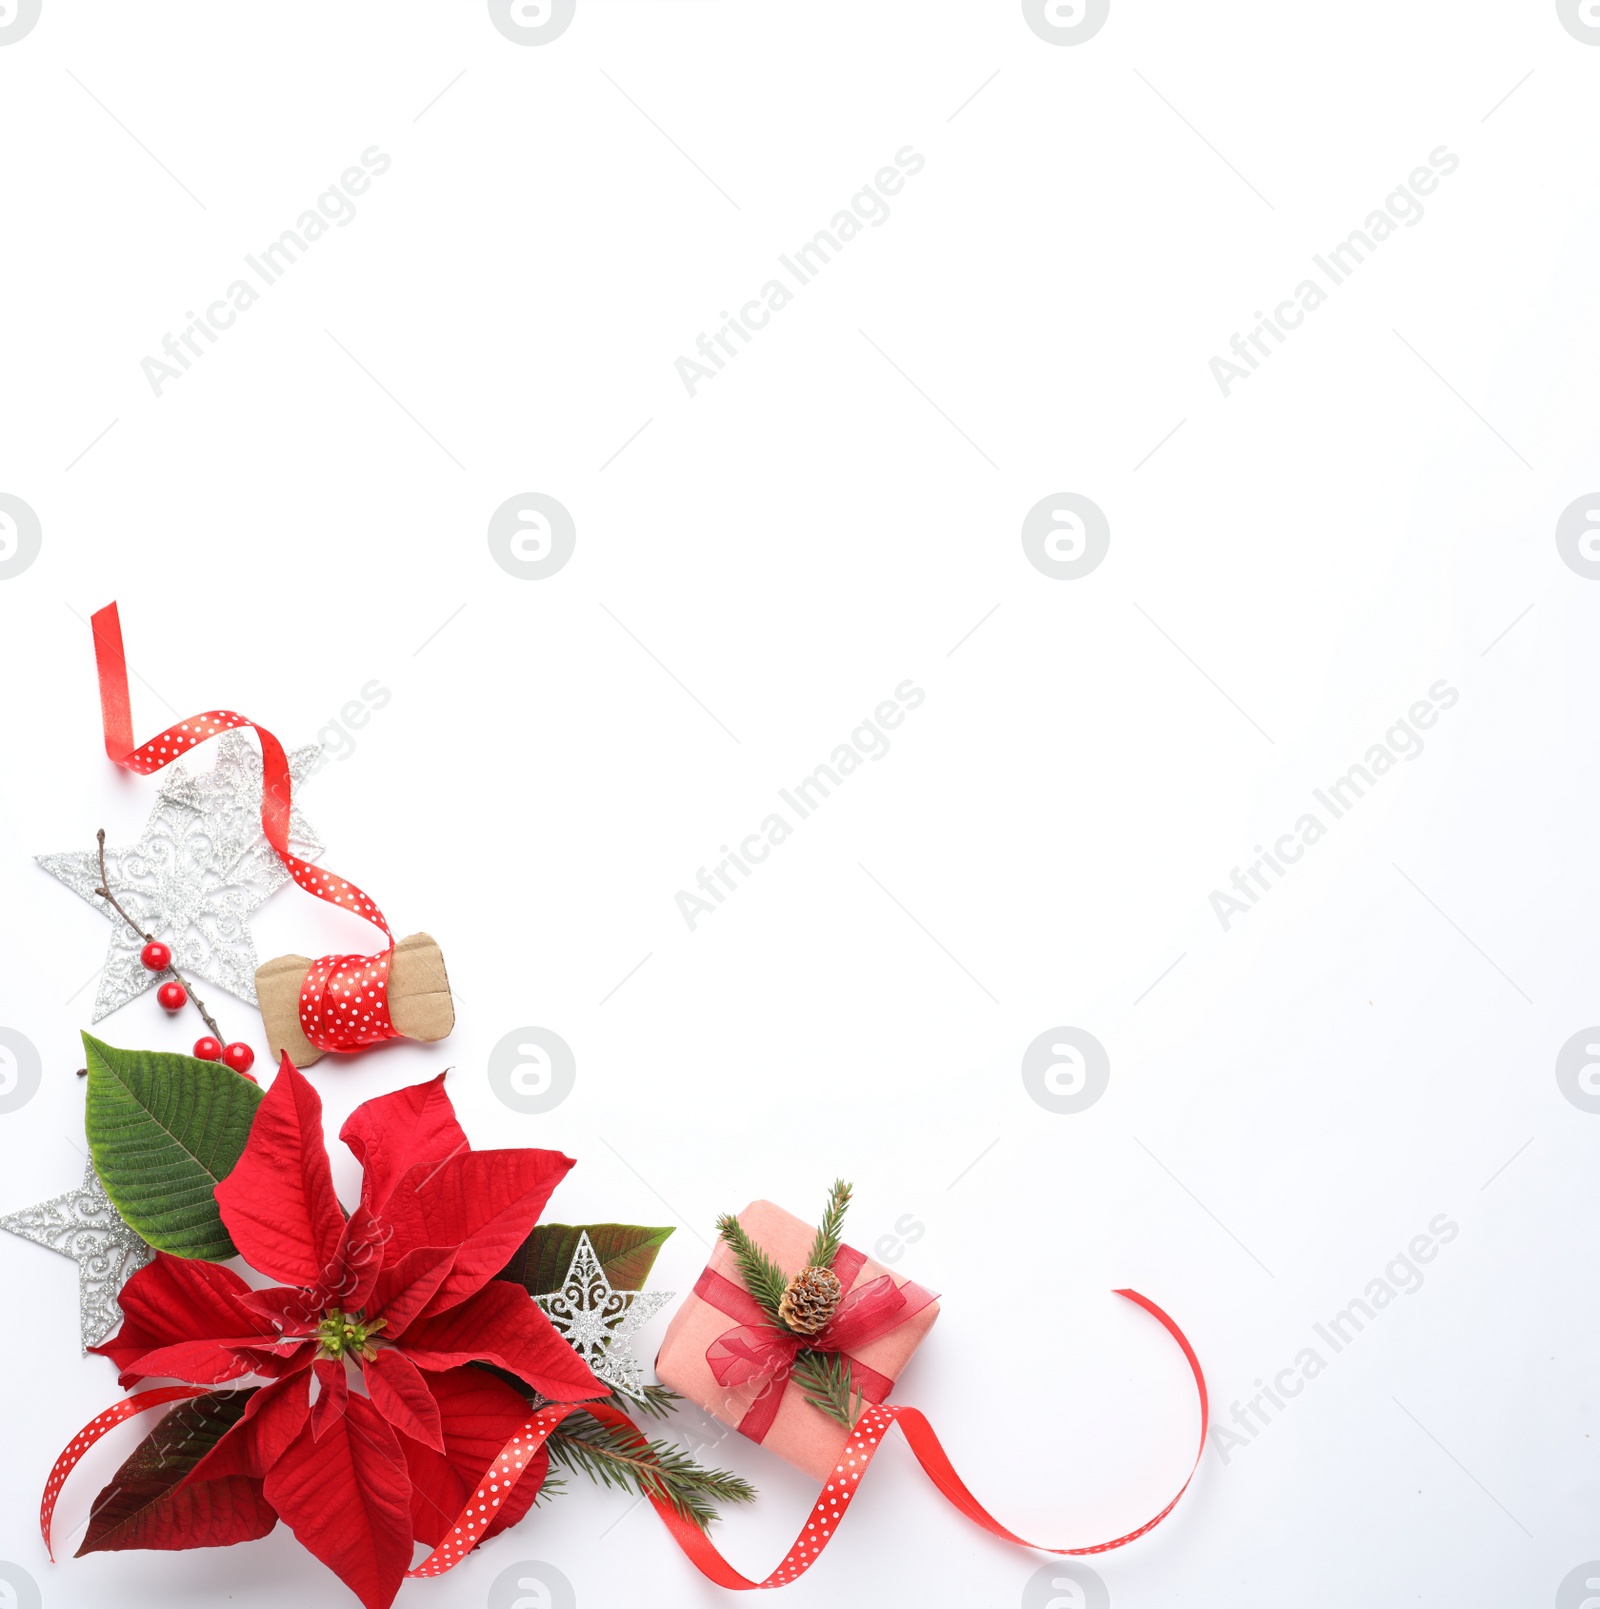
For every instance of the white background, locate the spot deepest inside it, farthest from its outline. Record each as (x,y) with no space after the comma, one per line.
(756,568)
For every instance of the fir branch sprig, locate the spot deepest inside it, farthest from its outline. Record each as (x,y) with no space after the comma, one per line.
(619,1458)
(825,1382)
(765,1281)
(657,1402)
(615,1457)
(826,1245)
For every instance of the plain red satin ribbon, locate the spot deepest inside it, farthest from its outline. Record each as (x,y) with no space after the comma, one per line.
(344,1002)
(832,1501)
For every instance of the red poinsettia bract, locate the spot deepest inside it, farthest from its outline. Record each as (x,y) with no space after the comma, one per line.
(400,1295)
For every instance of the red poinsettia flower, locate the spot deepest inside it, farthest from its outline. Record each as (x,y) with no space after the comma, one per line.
(397,1298)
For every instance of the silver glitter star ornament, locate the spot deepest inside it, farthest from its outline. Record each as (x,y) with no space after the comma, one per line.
(84,1226)
(598,1322)
(200,868)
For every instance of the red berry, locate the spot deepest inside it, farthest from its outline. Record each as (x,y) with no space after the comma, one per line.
(156,956)
(239,1056)
(173,996)
(207,1048)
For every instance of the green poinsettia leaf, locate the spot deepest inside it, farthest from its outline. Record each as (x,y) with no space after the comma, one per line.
(626,1253)
(147,1504)
(163,1131)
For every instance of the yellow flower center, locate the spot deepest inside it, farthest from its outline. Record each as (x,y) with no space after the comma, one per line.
(347,1335)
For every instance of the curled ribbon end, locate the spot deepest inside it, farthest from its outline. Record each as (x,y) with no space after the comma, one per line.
(346,1005)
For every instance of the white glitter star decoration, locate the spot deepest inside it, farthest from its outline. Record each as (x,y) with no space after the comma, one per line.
(199,870)
(84,1226)
(598,1322)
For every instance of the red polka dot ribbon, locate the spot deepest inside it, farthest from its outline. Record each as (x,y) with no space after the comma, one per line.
(90,1434)
(496,1485)
(833,1500)
(344,1002)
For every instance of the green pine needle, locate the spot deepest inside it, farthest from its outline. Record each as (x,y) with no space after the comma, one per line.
(825,1382)
(826,1246)
(762,1277)
(658,1402)
(647,1469)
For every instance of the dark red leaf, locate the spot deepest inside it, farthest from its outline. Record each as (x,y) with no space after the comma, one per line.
(398,1131)
(182,1301)
(278,1203)
(151,1502)
(478,1415)
(625,1252)
(400,1394)
(347,1498)
(483,1203)
(501,1324)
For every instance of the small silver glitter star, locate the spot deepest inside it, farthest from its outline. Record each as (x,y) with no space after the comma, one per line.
(599,1322)
(200,868)
(84,1226)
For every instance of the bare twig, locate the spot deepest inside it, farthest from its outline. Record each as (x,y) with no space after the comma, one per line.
(104,891)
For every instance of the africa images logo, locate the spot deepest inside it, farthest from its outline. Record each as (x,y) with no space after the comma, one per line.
(868,741)
(870,206)
(20,536)
(1403,741)
(1581,19)
(1066,22)
(17,18)
(336,206)
(532,22)
(1403,206)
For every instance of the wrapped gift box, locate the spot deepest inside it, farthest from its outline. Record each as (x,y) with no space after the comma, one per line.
(796,1430)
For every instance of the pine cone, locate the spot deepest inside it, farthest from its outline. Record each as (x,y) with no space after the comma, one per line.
(810,1299)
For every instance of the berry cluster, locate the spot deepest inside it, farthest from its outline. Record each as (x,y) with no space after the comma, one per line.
(174,997)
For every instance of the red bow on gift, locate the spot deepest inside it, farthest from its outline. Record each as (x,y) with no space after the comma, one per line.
(756,1349)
